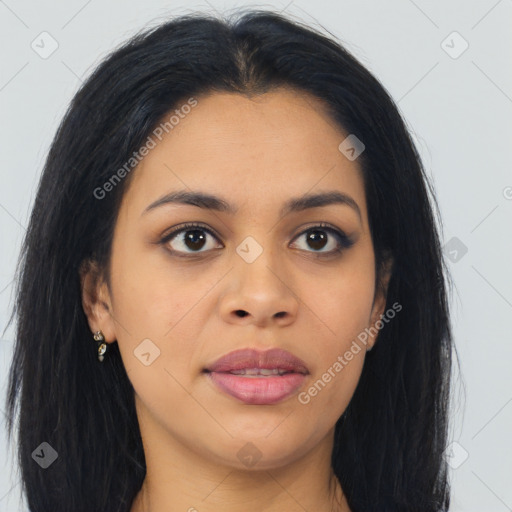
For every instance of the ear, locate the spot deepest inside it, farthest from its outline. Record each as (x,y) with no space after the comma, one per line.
(379,301)
(96,300)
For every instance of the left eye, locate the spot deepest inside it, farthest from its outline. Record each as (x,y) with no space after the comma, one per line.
(317,237)
(194,237)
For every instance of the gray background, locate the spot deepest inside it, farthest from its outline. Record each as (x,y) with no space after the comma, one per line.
(457,105)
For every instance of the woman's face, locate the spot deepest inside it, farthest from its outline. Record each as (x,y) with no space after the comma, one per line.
(174,303)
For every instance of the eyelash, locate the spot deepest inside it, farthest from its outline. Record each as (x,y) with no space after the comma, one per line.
(343,240)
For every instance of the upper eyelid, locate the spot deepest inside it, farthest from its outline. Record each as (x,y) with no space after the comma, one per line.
(187,226)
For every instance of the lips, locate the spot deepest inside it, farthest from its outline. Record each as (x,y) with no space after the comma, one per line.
(258,378)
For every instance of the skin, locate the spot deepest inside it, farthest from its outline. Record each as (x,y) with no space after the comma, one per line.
(256,153)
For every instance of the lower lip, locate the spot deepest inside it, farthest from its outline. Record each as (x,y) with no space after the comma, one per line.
(258,390)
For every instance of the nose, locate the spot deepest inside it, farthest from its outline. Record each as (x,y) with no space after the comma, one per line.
(259,293)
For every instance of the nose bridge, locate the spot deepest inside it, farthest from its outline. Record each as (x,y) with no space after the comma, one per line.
(258,263)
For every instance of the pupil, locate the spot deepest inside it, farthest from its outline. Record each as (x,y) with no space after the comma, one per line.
(194,237)
(317,239)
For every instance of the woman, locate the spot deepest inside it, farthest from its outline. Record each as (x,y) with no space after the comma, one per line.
(234,211)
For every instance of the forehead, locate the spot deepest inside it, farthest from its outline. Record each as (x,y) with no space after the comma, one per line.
(256,151)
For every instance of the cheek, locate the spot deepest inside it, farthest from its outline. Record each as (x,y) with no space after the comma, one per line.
(341,303)
(345,310)
(150,308)
(342,310)
(150,294)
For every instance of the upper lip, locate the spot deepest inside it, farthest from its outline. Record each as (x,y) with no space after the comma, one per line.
(251,358)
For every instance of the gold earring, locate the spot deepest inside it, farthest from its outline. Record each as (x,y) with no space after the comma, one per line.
(102,346)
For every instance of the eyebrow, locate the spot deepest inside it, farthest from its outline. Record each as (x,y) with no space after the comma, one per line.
(212,202)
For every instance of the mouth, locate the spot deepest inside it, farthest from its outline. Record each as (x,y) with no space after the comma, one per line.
(259,372)
(258,378)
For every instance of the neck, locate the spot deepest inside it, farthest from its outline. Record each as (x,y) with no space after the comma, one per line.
(179,478)
(260,491)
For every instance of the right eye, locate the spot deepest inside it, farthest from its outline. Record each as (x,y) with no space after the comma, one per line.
(191,236)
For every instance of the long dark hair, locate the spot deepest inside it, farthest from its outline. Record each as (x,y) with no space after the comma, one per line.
(390,441)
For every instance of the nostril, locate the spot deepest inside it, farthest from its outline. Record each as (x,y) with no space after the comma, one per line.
(241,313)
